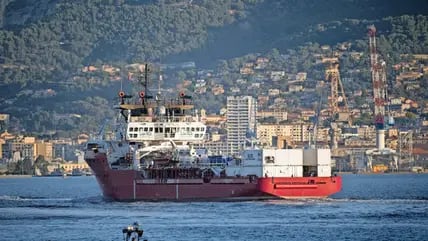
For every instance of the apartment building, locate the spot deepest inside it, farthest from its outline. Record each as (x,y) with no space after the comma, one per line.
(241,121)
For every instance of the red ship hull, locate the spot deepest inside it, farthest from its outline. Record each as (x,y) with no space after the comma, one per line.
(129,185)
(298,187)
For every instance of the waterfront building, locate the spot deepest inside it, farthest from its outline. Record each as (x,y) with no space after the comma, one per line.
(18,149)
(44,149)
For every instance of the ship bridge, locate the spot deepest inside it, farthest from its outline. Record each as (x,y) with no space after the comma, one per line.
(163,123)
(157,120)
(191,131)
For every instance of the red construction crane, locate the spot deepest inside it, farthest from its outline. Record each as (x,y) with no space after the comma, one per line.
(378,72)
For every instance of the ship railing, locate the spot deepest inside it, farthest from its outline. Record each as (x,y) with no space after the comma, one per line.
(163,119)
(141,118)
(177,118)
(217,166)
(209,165)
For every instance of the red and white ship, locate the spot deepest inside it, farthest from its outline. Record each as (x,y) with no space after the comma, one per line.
(151,157)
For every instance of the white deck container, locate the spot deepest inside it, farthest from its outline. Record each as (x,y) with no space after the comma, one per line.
(324,157)
(324,170)
(283,157)
(283,162)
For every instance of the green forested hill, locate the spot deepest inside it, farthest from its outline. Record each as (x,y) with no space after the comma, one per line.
(45,43)
(287,24)
(74,33)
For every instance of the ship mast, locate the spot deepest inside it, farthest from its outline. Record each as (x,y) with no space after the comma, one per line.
(145,83)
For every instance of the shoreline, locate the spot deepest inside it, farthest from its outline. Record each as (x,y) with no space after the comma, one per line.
(338,173)
(15,176)
(27,176)
(379,173)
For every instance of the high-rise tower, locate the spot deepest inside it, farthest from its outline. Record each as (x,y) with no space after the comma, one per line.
(241,121)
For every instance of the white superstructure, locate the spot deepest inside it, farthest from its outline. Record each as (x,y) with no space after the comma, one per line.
(283,163)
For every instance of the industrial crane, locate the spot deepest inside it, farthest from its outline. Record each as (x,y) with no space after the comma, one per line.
(337,92)
(380,99)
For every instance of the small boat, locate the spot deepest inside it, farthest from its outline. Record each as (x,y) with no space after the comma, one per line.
(133,233)
(58,172)
(77,172)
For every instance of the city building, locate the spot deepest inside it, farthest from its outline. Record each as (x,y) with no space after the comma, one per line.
(268,134)
(279,115)
(241,121)
(64,149)
(18,149)
(44,149)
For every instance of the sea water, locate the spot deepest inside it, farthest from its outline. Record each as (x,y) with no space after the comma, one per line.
(369,207)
